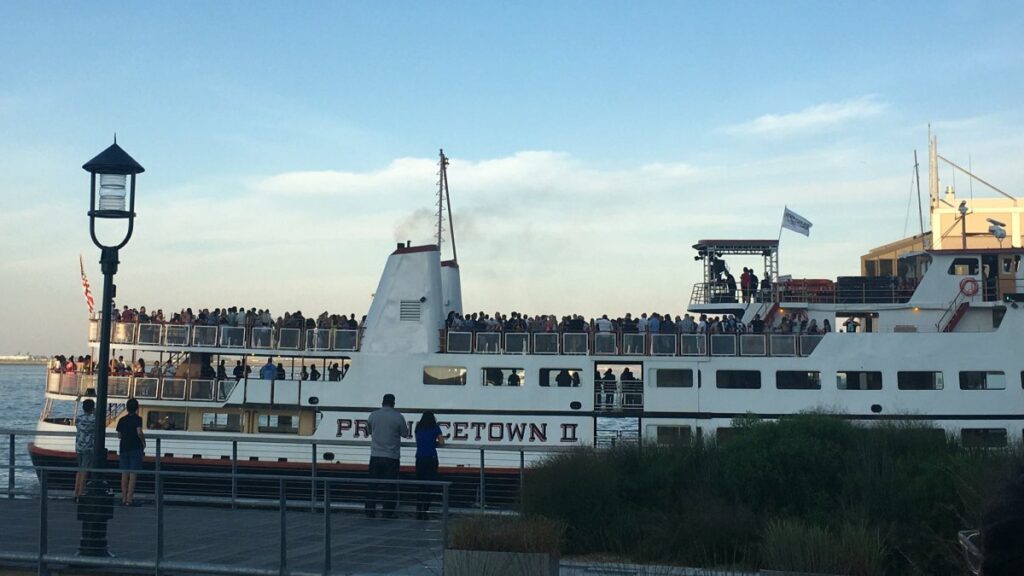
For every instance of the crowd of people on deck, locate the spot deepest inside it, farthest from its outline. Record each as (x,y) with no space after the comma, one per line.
(654,323)
(238,317)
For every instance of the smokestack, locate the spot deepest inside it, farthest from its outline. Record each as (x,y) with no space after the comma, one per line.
(400,246)
(408,243)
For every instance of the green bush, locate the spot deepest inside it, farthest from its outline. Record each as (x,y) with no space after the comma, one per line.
(849,549)
(705,503)
(507,534)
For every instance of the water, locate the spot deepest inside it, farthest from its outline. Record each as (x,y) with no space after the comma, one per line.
(21,397)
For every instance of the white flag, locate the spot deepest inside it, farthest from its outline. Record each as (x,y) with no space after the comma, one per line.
(796,222)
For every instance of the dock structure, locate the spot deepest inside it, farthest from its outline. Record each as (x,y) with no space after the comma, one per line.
(176,535)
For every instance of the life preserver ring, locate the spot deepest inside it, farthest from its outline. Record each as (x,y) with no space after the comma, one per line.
(969,287)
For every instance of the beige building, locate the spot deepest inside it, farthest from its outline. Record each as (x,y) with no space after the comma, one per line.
(956,222)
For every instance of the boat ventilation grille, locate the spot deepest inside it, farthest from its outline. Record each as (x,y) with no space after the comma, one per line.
(409,311)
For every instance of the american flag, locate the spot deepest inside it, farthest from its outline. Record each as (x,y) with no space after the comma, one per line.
(85,286)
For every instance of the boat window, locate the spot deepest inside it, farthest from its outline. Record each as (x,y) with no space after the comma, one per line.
(797,380)
(673,434)
(1010,264)
(978,380)
(859,380)
(964,267)
(165,420)
(738,379)
(919,380)
(444,375)
(503,376)
(673,378)
(983,437)
(222,422)
(560,377)
(278,424)
(885,267)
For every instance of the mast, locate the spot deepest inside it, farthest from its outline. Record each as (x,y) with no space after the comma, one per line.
(920,211)
(444,204)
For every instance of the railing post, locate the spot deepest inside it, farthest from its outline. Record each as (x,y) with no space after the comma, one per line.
(444,520)
(10,467)
(159,495)
(43,524)
(327,528)
(156,459)
(283,559)
(312,481)
(522,473)
(483,481)
(234,471)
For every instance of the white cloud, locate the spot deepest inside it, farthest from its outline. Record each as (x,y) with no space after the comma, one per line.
(812,119)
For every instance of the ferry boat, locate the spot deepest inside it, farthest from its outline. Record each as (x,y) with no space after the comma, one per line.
(936,341)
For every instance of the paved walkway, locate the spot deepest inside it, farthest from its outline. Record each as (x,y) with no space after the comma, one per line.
(237,538)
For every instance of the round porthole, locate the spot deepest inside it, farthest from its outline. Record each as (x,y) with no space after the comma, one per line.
(329,456)
(575,405)
(313,400)
(876,408)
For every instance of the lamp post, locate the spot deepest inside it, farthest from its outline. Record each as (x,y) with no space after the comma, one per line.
(112,169)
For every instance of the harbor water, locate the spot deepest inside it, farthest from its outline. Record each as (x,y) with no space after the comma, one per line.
(21,392)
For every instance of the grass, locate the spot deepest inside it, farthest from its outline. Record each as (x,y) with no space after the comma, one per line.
(885,499)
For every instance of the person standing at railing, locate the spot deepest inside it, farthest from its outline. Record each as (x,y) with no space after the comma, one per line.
(387,427)
(132,445)
(85,436)
(428,438)
(268,371)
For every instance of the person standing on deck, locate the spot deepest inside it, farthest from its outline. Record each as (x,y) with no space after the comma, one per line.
(428,438)
(133,444)
(85,436)
(387,427)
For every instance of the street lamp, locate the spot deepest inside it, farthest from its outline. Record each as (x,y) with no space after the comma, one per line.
(112,169)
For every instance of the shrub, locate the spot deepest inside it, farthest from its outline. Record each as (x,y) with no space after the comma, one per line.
(853,549)
(507,534)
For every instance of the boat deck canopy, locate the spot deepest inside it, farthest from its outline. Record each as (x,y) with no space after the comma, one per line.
(757,247)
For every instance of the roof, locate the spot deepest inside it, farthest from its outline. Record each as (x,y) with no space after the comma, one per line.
(737,246)
(412,249)
(113,160)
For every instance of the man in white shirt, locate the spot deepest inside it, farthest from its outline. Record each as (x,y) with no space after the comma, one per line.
(604,324)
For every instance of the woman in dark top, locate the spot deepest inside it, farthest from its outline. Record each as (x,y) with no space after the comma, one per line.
(428,438)
(133,443)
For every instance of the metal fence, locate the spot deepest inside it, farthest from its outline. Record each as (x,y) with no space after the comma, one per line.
(480,477)
(294,525)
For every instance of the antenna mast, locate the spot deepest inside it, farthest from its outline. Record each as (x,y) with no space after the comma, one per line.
(444,204)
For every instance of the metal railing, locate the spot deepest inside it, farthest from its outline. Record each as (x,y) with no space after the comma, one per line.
(202,336)
(870,290)
(481,477)
(295,525)
(631,344)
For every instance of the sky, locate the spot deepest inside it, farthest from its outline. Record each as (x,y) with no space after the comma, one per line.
(288,146)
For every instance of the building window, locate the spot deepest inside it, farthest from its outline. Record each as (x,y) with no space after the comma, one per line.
(983,437)
(797,380)
(560,377)
(738,379)
(859,380)
(672,378)
(222,422)
(919,380)
(964,267)
(871,267)
(673,434)
(165,420)
(885,267)
(503,377)
(444,375)
(982,381)
(278,424)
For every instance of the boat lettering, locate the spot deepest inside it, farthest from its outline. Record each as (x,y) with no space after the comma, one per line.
(474,431)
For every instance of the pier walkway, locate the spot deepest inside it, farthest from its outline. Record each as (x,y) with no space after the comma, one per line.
(182,535)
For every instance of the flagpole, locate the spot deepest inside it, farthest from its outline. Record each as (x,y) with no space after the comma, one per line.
(783,221)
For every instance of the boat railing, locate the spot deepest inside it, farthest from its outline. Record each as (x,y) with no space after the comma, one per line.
(852,290)
(629,344)
(259,337)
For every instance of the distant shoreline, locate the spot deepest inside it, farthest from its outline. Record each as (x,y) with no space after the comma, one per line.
(23,362)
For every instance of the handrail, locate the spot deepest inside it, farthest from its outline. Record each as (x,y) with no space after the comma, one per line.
(958,299)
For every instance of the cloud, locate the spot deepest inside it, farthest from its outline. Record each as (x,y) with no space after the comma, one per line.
(812,119)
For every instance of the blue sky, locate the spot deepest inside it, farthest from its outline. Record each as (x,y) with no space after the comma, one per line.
(288,145)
